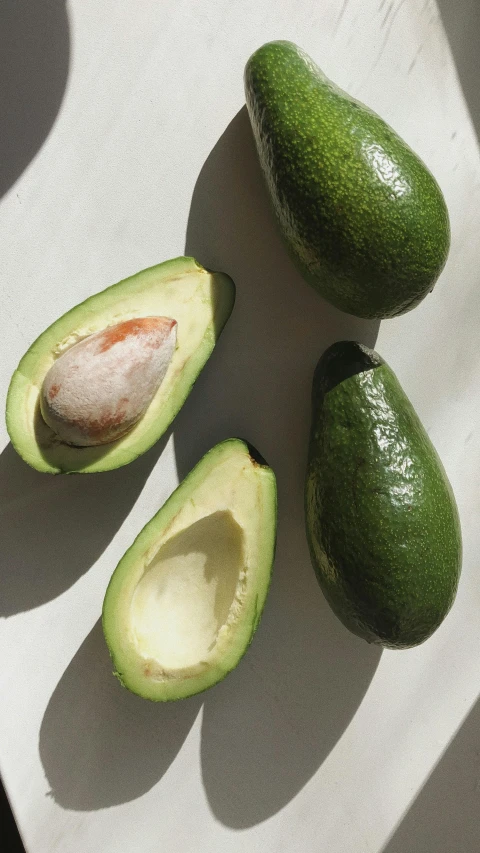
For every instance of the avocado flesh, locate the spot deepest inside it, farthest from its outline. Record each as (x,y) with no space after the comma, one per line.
(199,300)
(361,216)
(381,519)
(184,602)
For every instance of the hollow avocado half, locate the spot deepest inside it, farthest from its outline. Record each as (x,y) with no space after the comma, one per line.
(362,217)
(199,300)
(381,518)
(184,602)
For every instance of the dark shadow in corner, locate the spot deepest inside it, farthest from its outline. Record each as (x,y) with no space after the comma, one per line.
(99,744)
(462,26)
(34,60)
(53,528)
(268,728)
(445,816)
(10,834)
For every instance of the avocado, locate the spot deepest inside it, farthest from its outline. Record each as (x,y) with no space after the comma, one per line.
(159,327)
(184,602)
(360,214)
(381,519)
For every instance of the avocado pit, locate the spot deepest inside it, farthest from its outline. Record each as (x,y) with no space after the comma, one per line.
(97,390)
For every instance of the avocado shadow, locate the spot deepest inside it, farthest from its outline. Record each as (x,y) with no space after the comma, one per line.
(99,744)
(53,528)
(269,726)
(34,63)
(461,21)
(444,815)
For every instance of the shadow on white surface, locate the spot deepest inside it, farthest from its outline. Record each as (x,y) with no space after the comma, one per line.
(461,21)
(100,745)
(268,728)
(445,816)
(54,528)
(34,60)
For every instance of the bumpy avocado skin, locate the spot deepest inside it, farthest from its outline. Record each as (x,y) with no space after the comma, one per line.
(381,519)
(362,217)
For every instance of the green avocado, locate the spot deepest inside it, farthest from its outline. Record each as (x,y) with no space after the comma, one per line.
(362,217)
(185,601)
(381,518)
(199,301)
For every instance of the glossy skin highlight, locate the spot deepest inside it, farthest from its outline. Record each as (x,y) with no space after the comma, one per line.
(362,217)
(381,518)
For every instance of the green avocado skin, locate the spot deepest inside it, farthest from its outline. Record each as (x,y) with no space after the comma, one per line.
(361,216)
(381,519)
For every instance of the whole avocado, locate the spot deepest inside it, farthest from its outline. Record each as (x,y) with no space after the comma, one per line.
(381,519)
(362,217)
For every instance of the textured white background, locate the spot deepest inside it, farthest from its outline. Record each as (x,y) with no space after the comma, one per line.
(316,742)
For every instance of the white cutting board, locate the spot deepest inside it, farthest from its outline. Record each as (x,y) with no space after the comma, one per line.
(315,742)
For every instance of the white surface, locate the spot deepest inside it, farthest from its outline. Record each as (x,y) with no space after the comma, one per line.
(315,742)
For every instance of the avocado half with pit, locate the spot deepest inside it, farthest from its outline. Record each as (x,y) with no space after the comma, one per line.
(184,602)
(136,316)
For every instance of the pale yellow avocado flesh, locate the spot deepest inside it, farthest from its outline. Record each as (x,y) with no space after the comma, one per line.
(185,600)
(200,301)
(187,592)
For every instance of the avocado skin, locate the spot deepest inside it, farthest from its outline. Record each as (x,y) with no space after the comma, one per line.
(381,519)
(360,214)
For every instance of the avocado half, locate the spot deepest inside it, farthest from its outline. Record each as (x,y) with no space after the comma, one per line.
(199,300)
(184,602)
